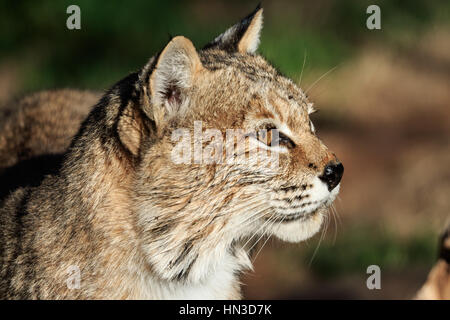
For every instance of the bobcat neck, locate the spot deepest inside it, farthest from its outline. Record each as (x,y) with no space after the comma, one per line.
(97,179)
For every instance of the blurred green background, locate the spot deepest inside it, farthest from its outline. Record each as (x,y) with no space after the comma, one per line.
(383,97)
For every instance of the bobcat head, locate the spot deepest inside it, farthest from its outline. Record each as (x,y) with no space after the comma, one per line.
(196,216)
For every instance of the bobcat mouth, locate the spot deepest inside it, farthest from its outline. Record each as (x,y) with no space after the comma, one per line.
(291,217)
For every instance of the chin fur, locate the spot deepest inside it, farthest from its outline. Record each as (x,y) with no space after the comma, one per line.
(301,229)
(307,226)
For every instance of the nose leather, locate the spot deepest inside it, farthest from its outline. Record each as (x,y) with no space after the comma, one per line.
(332,174)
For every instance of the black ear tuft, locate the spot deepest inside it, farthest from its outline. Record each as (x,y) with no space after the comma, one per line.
(243,37)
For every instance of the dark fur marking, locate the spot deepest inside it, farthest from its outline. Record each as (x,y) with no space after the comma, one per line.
(163,227)
(182,275)
(186,249)
(13,266)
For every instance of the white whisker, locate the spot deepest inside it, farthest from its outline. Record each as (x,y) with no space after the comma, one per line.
(256,232)
(303,67)
(320,240)
(282,219)
(320,78)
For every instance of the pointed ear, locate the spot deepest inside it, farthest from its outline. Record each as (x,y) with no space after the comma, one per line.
(171,76)
(243,37)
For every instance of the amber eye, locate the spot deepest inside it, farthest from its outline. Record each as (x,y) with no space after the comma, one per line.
(282,139)
(271,136)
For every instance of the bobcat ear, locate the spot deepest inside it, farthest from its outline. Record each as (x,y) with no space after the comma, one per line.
(243,37)
(170,77)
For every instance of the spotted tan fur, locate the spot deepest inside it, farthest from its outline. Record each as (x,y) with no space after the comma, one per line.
(140,226)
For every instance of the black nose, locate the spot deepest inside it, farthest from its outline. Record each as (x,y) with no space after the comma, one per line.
(332,174)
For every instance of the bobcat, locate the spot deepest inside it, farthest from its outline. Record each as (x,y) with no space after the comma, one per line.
(120,219)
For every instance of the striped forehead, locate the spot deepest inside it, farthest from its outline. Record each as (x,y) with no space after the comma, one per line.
(280,98)
(252,67)
(286,107)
